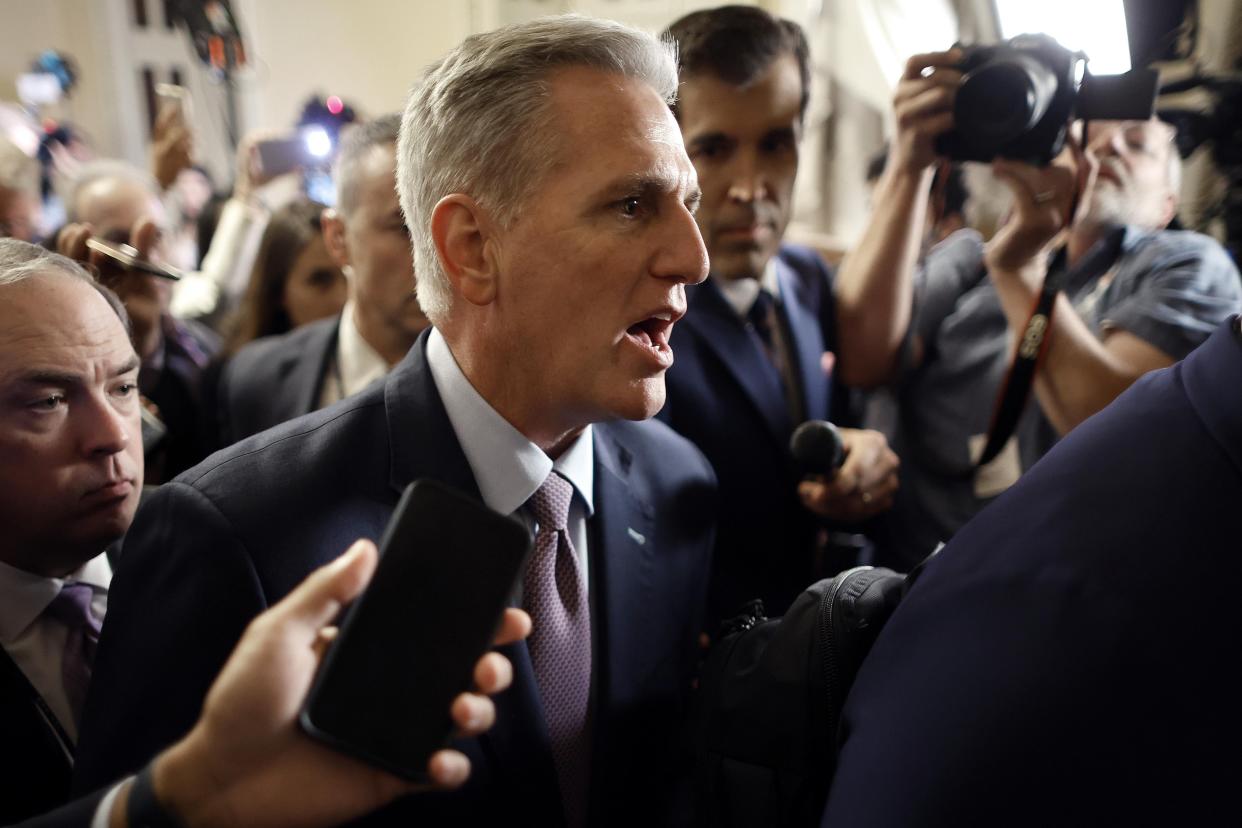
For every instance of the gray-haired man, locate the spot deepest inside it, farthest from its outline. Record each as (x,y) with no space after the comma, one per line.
(551,202)
(281,377)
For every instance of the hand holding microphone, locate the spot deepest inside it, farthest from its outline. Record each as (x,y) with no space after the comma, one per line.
(848,474)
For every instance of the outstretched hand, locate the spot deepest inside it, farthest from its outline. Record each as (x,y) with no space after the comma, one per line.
(247,763)
(1045,200)
(864,485)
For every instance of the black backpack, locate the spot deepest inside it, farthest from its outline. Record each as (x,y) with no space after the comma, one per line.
(770,698)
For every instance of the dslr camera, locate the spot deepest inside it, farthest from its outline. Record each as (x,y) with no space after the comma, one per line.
(1017,99)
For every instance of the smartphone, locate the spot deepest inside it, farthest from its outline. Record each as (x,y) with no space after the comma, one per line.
(407,647)
(170,94)
(127,256)
(278,156)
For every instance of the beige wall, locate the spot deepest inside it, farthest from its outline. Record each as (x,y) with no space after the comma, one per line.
(366,51)
(27,27)
(371,51)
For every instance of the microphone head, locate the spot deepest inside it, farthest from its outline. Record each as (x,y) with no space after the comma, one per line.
(817,448)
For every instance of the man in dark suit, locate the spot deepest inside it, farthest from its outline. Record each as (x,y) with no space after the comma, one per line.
(281,377)
(1066,659)
(71,472)
(551,213)
(754,354)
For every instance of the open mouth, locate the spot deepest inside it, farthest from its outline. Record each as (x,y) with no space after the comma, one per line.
(652,334)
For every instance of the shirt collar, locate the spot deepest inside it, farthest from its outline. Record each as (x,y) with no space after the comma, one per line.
(742,293)
(508,467)
(357,362)
(26,595)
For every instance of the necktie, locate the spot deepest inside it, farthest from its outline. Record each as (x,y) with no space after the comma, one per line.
(555,594)
(72,607)
(764,321)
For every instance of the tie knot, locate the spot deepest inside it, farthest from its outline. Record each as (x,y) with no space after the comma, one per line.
(72,607)
(550,503)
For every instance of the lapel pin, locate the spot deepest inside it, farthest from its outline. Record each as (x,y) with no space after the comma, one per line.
(638,537)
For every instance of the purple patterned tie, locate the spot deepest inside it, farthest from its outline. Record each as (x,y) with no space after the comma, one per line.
(72,607)
(555,594)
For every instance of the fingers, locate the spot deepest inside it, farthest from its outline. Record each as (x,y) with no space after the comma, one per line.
(448,769)
(918,64)
(857,505)
(493,673)
(863,486)
(144,235)
(319,598)
(71,241)
(513,627)
(473,714)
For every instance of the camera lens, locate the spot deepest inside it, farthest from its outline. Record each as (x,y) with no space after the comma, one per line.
(1001,100)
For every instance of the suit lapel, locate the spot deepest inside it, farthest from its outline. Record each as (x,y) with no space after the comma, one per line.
(306,376)
(715,322)
(622,582)
(808,344)
(424,444)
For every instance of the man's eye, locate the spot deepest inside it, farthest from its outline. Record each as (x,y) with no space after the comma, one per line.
(48,403)
(631,207)
(126,389)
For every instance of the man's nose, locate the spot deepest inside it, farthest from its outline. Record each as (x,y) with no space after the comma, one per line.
(747,182)
(682,256)
(104,428)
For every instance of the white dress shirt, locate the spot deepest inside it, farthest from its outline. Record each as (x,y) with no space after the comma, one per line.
(37,643)
(355,365)
(508,467)
(742,293)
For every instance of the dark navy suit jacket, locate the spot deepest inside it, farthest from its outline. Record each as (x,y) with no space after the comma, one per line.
(36,759)
(1070,657)
(274,379)
(726,398)
(236,533)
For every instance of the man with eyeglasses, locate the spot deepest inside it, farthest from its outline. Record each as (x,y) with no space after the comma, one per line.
(1136,297)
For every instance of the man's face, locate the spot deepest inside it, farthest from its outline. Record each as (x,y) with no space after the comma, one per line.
(378,247)
(592,269)
(112,206)
(744,145)
(19,214)
(1132,186)
(70,434)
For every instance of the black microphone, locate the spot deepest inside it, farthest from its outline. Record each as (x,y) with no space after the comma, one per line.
(817,448)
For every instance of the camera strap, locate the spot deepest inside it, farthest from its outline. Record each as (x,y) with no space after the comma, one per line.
(1028,355)
(1032,345)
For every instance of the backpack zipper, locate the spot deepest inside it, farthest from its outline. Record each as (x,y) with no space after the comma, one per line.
(828,647)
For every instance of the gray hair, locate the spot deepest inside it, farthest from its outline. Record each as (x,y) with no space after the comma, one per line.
(355,146)
(477,121)
(21,260)
(94,171)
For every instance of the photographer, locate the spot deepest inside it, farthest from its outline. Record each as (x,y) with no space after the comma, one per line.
(1136,297)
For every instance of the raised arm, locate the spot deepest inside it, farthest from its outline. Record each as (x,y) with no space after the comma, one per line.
(875,286)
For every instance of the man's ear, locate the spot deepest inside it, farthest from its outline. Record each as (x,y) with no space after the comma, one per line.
(461,231)
(334,237)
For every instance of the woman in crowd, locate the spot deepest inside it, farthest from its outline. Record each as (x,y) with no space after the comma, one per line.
(294,280)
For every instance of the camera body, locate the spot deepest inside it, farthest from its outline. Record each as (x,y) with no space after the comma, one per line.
(1017,98)
(1015,101)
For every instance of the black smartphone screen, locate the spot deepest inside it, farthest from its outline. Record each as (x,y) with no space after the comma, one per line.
(407,647)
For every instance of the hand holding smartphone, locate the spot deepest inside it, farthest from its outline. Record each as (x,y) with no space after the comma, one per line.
(407,647)
(127,256)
